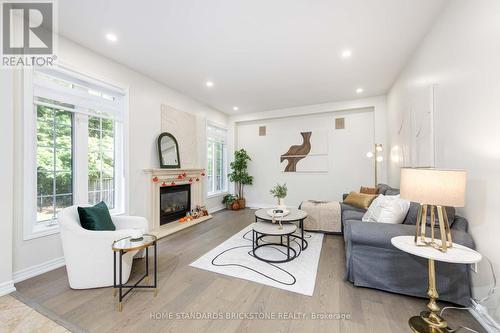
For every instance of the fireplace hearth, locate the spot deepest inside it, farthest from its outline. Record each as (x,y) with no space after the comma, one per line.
(175,202)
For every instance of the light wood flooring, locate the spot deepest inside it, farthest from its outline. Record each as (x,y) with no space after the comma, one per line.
(184,289)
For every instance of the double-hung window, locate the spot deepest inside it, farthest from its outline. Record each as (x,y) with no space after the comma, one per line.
(74,144)
(216,159)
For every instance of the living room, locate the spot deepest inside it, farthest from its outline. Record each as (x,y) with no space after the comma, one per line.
(250,166)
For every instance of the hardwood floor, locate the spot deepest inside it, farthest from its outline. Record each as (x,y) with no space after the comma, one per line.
(189,290)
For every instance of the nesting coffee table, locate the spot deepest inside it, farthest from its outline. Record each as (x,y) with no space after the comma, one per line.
(295,215)
(262,229)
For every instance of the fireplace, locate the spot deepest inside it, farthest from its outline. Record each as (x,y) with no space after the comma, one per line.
(175,202)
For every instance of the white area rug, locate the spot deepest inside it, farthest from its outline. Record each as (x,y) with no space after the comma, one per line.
(233,258)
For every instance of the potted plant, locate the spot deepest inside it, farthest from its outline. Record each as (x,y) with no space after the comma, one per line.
(228,200)
(279,192)
(239,174)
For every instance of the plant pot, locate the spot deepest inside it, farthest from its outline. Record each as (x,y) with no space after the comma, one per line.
(281,204)
(229,206)
(241,203)
(235,206)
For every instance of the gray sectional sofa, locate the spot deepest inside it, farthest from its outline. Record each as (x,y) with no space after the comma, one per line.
(373,262)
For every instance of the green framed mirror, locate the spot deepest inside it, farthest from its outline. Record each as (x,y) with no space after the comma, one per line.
(168,151)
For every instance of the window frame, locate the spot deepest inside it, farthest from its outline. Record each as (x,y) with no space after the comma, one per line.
(28,120)
(212,194)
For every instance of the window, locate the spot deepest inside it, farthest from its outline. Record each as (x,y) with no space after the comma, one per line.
(54,155)
(216,159)
(73,129)
(101,158)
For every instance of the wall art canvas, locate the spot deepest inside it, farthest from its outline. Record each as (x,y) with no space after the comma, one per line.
(422,127)
(308,154)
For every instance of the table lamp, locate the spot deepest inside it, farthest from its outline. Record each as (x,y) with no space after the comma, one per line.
(433,189)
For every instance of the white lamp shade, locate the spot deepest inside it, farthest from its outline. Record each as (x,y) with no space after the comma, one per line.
(434,186)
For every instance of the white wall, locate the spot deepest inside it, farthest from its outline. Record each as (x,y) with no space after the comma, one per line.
(365,125)
(145,99)
(348,166)
(461,54)
(6,179)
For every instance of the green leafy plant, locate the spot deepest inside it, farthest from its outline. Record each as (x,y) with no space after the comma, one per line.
(228,199)
(239,174)
(279,191)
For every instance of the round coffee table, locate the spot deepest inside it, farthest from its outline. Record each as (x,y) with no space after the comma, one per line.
(295,215)
(262,229)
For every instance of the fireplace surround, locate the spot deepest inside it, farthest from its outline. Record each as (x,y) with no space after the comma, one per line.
(158,180)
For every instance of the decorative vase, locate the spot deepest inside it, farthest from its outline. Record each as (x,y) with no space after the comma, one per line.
(281,203)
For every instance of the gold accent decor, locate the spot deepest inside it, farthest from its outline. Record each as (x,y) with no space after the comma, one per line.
(124,244)
(421,239)
(434,189)
(430,321)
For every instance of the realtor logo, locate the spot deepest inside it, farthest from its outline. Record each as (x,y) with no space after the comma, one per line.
(28,33)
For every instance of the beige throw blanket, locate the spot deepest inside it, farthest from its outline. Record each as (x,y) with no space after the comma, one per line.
(322,216)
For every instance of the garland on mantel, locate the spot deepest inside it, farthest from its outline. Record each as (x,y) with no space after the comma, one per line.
(170,180)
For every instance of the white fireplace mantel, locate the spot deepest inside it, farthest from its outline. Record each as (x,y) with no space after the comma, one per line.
(174,177)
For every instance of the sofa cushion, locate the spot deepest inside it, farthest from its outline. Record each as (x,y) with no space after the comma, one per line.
(411,217)
(382,188)
(96,217)
(360,200)
(387,190)
(368,190)
(352,215)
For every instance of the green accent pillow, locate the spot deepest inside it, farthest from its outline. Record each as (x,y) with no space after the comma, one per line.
(96,217)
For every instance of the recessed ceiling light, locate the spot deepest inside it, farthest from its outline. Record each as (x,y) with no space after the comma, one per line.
(359,90)
(111,37)
(235,108)
(346,54)
(209,84)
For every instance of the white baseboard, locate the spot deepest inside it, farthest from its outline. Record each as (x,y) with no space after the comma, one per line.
(482,316)
(30,272)
(216,209)
(7,287)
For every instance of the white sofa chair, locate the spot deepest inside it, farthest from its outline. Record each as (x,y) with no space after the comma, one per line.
(88,254)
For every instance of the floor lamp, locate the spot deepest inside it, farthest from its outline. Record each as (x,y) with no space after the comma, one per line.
(377,158)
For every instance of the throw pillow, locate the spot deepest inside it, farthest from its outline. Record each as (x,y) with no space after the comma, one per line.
(359,200)
(387,209)
(368,190)
(374,210)
(96,217)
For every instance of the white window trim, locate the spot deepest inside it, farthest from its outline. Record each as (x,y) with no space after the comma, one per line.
(31,228)
(226,166)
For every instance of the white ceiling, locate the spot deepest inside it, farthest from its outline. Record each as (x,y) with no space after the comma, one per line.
(260,54)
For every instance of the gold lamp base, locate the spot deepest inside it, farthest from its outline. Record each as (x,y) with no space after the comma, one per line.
(421,238)
(430,321)
(425,324)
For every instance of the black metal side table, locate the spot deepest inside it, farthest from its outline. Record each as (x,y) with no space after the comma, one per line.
(263,229)
(125,245)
